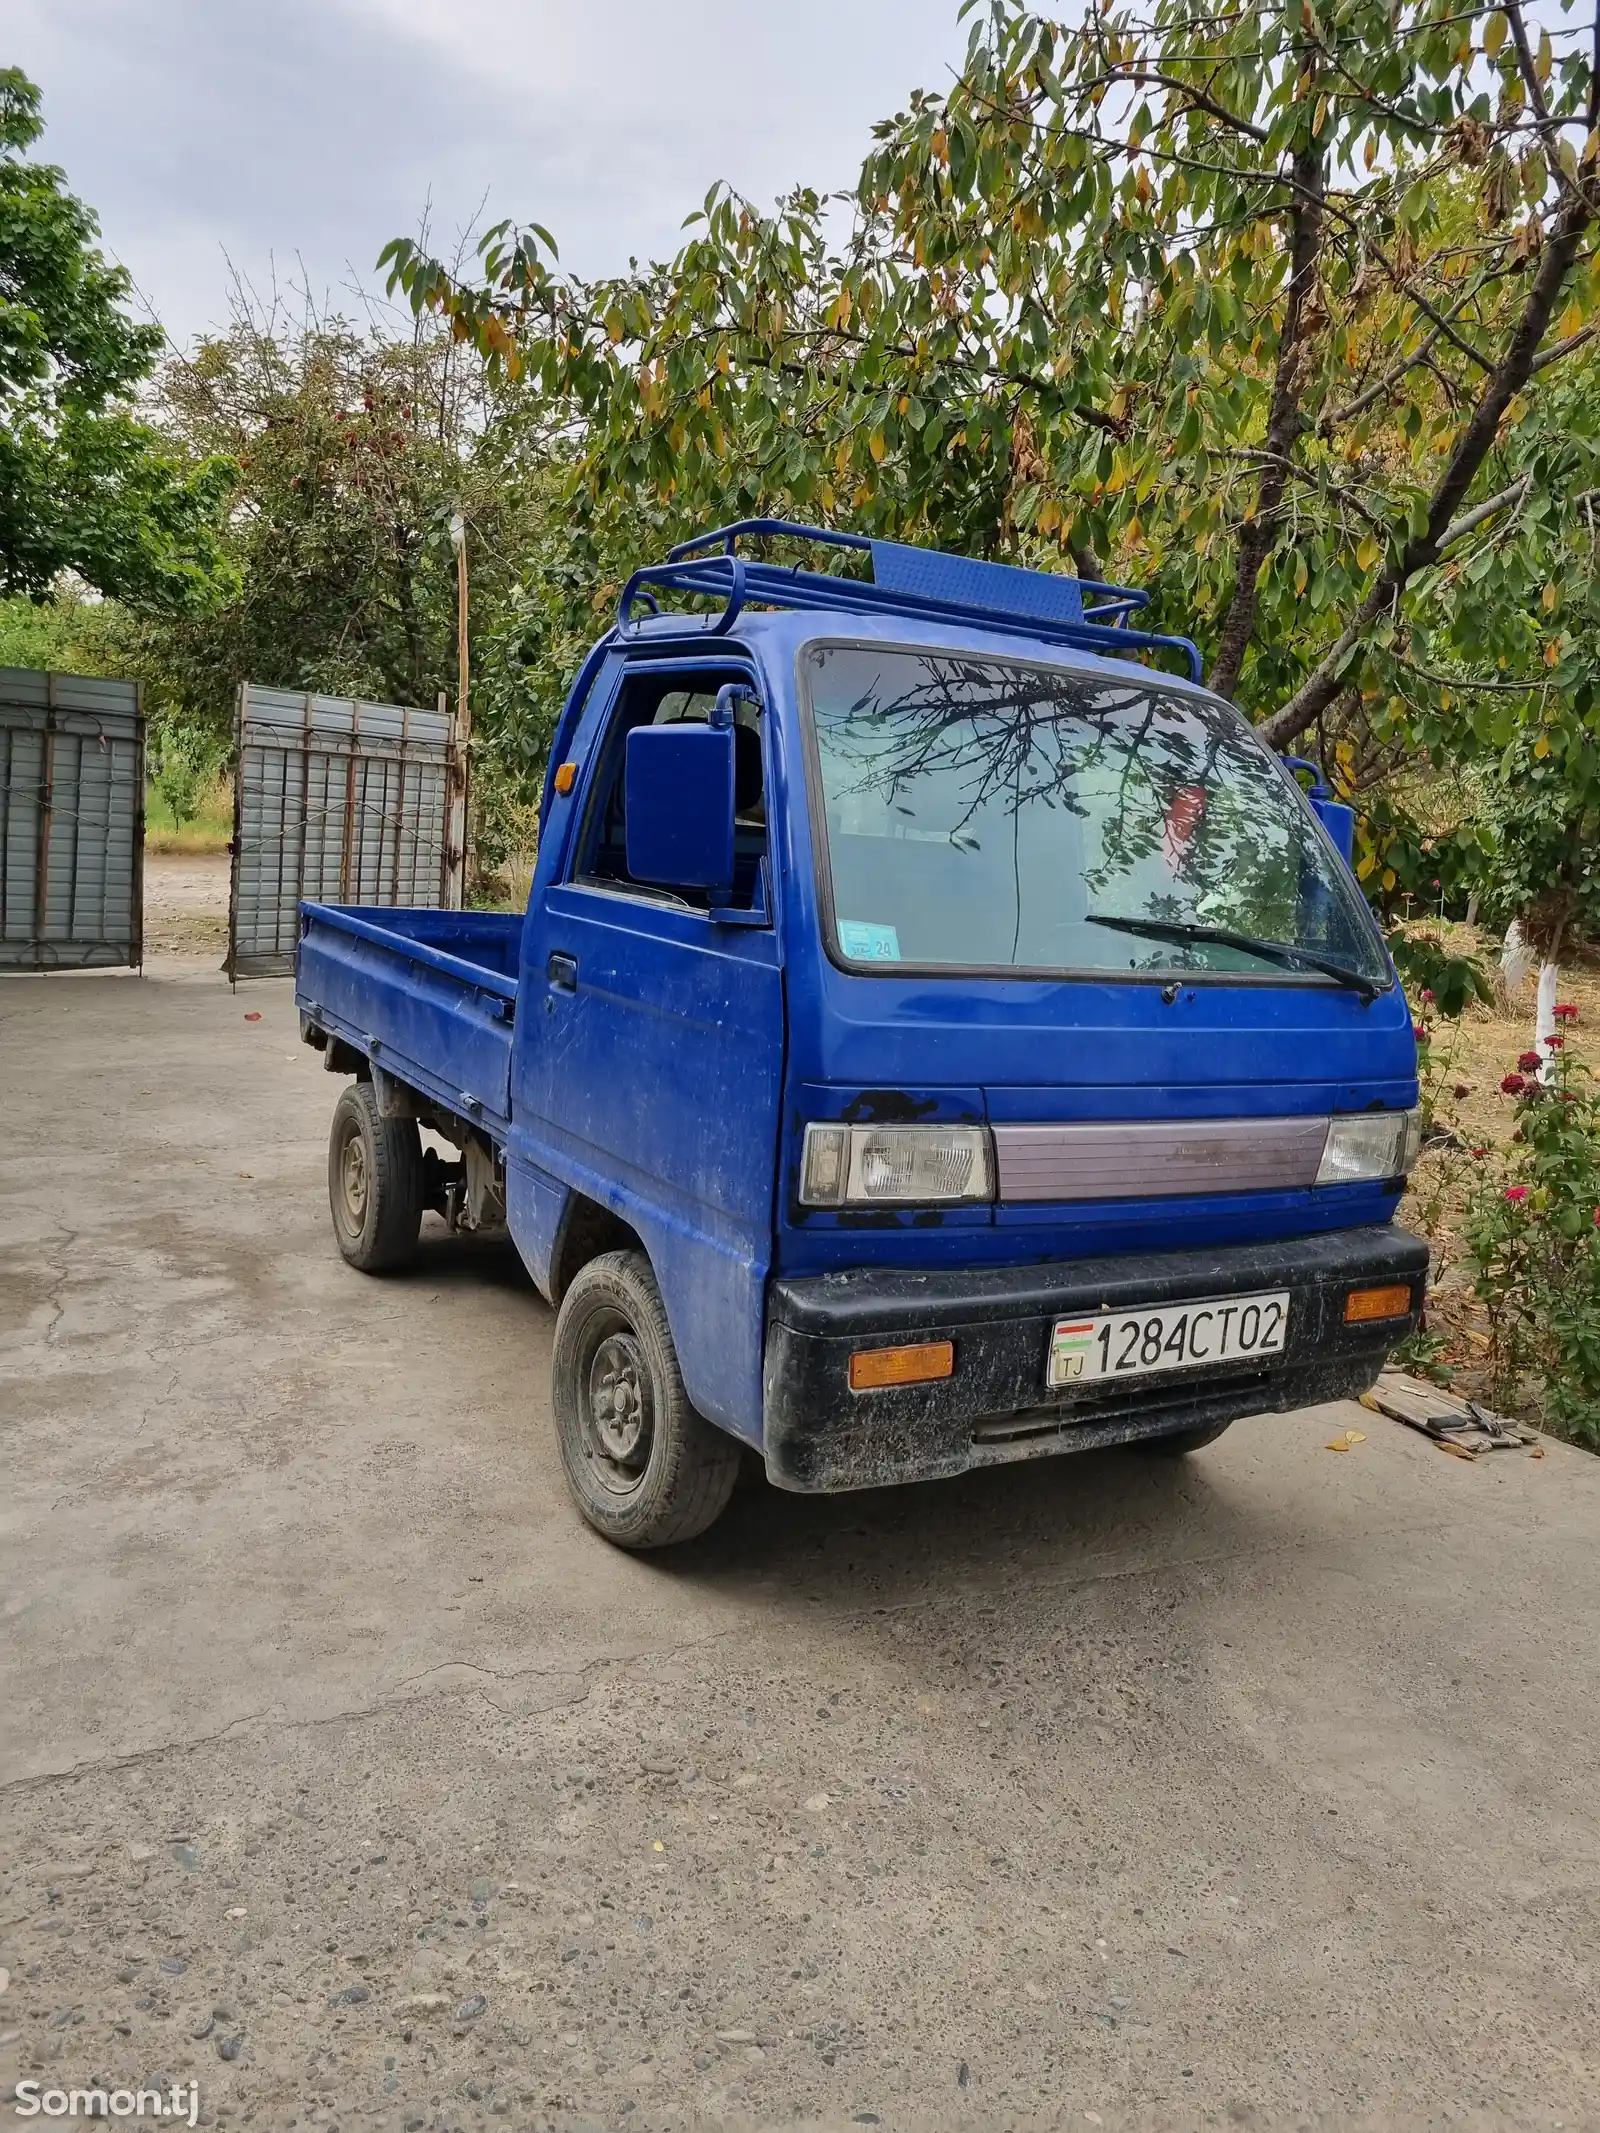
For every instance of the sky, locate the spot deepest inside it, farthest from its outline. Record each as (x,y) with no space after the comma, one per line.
(293,138)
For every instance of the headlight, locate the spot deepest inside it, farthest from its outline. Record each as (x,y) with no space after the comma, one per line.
(895,1166)
(1375,1144)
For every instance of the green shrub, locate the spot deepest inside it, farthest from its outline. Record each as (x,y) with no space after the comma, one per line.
(1533,1229)
(185,758)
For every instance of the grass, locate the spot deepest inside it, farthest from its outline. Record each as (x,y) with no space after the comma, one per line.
(506,888)
(207,831)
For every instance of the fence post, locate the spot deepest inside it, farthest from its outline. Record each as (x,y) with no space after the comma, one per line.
(455,832)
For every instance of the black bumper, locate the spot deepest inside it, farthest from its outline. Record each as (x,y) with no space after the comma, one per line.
(821,1436)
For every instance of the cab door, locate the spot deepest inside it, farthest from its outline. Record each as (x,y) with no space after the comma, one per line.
(650,1066)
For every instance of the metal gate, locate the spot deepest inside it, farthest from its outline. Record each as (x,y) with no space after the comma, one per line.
(71,821)
(338,802)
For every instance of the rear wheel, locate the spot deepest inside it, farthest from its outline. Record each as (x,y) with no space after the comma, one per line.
(645,1468)
(1185,1440)
(375,1182)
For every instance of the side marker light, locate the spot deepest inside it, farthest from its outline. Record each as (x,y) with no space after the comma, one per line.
(1363,1305)
(873,1368)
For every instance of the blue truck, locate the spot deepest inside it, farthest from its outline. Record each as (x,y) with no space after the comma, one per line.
(938,1035)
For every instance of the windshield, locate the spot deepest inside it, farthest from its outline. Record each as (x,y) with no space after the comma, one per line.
(982,814)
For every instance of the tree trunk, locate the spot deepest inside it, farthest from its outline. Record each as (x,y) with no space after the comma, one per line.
(1284,422)
(1516,960)
(1545,1023)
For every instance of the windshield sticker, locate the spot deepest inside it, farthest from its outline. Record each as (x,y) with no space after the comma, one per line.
(865,942)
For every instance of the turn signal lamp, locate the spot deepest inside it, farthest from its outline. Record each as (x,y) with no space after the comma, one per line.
(566,777)
(1363,1305)
(871,1369)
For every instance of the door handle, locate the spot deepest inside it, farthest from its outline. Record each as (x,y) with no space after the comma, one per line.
(562,971)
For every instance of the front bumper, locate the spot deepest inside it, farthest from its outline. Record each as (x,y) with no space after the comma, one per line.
(820,1436)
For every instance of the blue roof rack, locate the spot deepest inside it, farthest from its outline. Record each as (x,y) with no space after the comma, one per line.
(922,583)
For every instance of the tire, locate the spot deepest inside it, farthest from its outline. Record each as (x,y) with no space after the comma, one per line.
(1185,1440)
(644,1468)
(375,1183)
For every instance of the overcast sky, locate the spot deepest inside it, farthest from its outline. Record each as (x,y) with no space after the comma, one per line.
(267,131)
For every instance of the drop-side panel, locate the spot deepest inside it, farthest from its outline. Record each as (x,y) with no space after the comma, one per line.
(336,801)
(71,821)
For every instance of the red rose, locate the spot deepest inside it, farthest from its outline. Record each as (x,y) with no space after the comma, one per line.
(1428,1000)
(1516,1192)
(1555,1043)
(1419,1030)
(1566,1010)
(1530,1062)
(1513,1085)
(1478,1154)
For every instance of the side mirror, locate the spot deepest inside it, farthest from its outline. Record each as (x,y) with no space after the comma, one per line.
(679,785)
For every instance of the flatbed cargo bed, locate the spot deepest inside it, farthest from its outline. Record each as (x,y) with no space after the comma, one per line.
(428,996)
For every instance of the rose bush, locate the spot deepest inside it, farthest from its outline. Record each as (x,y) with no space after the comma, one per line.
(1533,1229)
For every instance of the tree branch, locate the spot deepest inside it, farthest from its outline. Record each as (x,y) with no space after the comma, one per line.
(1339,416)
(1459,528)
(1460,681)
(1504,382)
(1084,560)
(1512,11)
(1554,353)
(1194,98)
(1268,179)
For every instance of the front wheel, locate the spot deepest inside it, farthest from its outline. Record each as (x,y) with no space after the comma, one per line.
(375,1182)
(645,1468)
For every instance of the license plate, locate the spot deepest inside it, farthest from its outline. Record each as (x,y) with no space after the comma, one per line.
(1126,1344)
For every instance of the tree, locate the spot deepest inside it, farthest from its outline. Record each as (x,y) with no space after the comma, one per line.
(84,485)
(354,446)
(1287,314)
(71,633)
(1252,301)
(352,450)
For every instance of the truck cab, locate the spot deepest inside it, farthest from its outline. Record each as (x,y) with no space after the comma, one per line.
(938,1036)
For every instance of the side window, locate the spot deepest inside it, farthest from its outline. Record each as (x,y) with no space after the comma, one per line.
(647,699)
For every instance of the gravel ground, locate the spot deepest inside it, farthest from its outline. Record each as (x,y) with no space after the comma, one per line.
(186,905)
(343,1771)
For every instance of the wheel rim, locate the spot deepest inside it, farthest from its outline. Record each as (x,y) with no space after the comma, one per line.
(354,1181)
(618,1407)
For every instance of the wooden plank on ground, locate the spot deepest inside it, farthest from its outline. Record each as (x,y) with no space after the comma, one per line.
(1460,1425)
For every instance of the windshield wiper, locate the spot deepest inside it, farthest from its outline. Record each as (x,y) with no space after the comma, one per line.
(1281,952)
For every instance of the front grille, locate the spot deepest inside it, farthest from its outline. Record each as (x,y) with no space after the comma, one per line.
(1147,1160)
(1124,1403)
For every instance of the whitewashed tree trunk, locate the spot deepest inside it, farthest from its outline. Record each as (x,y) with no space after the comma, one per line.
(1516,963)
(1545,1023)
